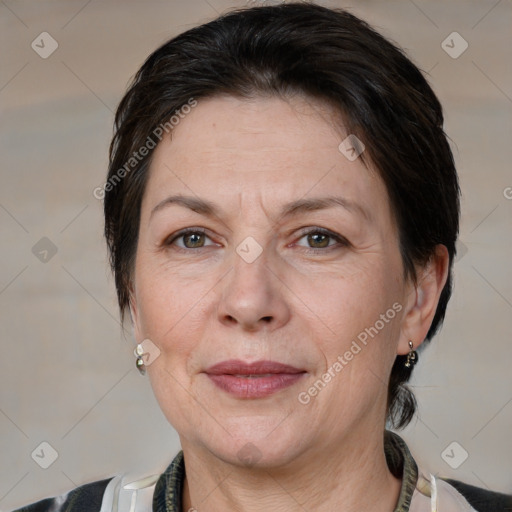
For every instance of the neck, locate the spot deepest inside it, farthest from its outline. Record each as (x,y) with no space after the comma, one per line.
(352,476)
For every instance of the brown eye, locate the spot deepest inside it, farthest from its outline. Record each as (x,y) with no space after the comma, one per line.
(189,239)
(318,240)
(193,240)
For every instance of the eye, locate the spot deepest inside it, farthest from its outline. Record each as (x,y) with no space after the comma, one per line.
(319,238)
(189,239)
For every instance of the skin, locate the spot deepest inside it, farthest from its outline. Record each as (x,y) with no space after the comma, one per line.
(301,302)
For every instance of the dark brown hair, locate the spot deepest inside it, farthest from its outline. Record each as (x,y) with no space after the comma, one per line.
(321,53)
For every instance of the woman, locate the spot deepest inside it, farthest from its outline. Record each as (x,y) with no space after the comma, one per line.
(281,212)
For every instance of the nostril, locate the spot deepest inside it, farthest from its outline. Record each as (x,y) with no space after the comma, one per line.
(267,319)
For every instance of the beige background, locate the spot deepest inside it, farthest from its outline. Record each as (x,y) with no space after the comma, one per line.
(67,373)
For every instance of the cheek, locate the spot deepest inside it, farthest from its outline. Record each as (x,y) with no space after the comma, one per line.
(353,298)
(358,319)
(174,313)
(163,297)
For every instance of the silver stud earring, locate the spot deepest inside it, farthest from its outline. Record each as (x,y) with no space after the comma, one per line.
(411,356)
(139,363)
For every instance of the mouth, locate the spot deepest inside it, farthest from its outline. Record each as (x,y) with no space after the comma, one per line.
(253,380)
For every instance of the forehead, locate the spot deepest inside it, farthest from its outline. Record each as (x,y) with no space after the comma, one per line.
(269,149)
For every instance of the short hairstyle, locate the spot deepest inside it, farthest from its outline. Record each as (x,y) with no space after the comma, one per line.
(324,54)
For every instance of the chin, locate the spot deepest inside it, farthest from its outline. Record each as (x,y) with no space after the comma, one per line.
(255,444)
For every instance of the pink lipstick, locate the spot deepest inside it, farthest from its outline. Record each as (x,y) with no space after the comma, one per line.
(253,380)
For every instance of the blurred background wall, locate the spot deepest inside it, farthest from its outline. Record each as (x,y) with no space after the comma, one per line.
(67,375)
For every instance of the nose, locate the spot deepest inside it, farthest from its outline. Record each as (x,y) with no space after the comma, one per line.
(253,297)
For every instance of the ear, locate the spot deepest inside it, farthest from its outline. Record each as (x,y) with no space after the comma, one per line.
(422,300)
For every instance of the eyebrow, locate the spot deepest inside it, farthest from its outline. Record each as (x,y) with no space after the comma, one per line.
(209,209)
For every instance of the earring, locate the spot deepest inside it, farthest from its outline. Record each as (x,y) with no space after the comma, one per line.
(411,357)
(139,363)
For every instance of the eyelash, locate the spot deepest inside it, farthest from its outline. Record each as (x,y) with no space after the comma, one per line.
(341,241)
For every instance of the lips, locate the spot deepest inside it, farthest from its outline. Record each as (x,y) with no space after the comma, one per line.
(237,367)
(253,380)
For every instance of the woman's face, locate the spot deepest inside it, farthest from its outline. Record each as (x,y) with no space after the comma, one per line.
(292,259)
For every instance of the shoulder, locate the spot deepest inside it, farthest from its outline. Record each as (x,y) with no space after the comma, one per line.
(128,491)
(120,492)
(483,500)
(82,499)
